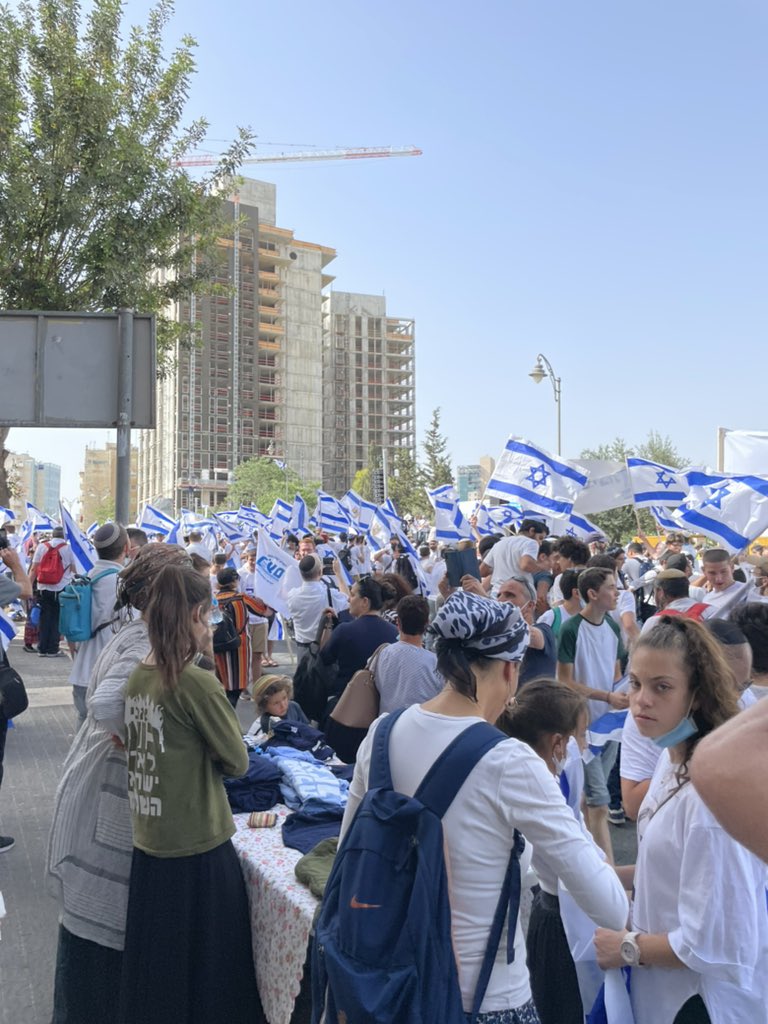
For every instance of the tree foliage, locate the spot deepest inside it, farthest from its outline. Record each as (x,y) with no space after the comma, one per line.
(261,482)
(621,524)
(94,213)
(406,485)
(437,462)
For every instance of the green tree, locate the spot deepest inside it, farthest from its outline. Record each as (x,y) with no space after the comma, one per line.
(104,510)
(261,482)
(361,484)
(406,485)
(94,212)
(437,462)
(621,524)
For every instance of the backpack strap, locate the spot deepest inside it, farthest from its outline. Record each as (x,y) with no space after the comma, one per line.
(379,774)
(447,775)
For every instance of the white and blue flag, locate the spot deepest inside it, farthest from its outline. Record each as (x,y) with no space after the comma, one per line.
(330,514)
(272,565)
(7,630)
(233,532)
(505,516)
(731,510)
(155,521)
(40,520)
(531,476)
(484,525)
(299,516)
(450,524)
(663,517)
(281,519)
(576,526)
(361,512)
(604,729)
(6,515)
(92,528)
(83,551)
(655,484)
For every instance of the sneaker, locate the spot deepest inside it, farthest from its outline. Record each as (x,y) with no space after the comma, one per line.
(616,816)
(29,648)
(6,842)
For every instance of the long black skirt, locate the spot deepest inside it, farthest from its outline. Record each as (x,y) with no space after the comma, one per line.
(87,983)
(188,956)
(554,982)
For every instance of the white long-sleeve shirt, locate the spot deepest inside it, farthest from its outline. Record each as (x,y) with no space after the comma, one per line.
(510,788)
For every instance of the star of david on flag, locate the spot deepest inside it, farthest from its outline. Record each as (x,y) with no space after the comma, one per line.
(536,479)
(655,484)
(731,510)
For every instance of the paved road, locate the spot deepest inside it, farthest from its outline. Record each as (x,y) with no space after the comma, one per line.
(34,756)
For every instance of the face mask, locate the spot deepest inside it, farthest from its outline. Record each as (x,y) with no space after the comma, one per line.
(587,755)
(683,731)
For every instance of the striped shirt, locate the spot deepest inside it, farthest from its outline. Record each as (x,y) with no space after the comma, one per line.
(406,675)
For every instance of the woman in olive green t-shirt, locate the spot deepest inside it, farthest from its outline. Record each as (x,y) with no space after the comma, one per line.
(188,945)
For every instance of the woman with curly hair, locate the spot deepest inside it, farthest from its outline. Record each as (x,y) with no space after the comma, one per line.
(698,939)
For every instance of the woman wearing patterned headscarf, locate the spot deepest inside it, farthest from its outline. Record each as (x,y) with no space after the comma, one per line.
(90,844)
(480,643)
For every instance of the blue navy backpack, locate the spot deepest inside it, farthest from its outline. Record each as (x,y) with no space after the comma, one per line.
(382,952)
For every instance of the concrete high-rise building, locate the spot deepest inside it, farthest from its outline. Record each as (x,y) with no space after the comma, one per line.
(468,482)
(368,386)
(253,385)
(97,482)
(37,482)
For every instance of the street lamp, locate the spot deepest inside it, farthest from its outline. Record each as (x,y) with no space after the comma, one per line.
(542,369)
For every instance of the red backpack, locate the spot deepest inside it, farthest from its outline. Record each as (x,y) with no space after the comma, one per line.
(696,611)
(50,570)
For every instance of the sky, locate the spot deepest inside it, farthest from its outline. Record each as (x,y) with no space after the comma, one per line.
(592,188)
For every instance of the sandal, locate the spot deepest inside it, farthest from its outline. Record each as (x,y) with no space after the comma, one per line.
(268,663)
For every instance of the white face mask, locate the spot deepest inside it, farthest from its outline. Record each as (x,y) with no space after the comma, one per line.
(559,763)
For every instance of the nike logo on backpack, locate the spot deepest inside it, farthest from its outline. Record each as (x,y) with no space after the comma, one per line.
(356,905)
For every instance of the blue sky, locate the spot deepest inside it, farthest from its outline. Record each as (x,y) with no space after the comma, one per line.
(592,187)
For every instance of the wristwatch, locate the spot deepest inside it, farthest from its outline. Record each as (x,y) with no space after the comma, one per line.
(629,949)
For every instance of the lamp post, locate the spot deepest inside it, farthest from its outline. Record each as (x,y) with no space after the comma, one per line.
(542,369)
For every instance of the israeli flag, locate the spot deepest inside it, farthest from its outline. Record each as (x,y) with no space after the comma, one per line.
(40,520)
(410,551)
(663,517)
(505,516)
(83,552)
(537,479)
(361,512)
(344,572)
(450,524)
(155,521)
(92,528)
(176,534)
(484,525)
(299,515)
(733,511)
(330,514)
(381,530)
(578,527)
(655,484)
(232,532)
(604,729)
(6,515)
(281,519)
(7,630)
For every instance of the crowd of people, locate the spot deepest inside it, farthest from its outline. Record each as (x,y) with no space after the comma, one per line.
(628,684)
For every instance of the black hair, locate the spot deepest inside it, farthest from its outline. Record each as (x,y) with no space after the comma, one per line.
(546,547)
(486,543)
(575,550)
(413,614)
(533,524)
(137,536)
(371,589)
(602,561)
(674,588)
(569,581)
(176,592)
(227,577)
(752,620)
(454,663)
(593,579)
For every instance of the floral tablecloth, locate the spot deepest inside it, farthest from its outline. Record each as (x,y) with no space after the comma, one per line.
(282,910)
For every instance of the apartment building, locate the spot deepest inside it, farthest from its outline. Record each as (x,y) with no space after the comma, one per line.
(34,481)
(97,482)
(253,384)
(368,385)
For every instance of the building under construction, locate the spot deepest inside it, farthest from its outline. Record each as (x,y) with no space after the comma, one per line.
(262,380)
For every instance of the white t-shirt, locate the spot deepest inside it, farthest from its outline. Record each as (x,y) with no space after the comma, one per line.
(625,603)
(504,559)
(593,650)
(509,788)
(306,605)
(680,604)
(67,561)
(639,754)
(706,892)
(361,559)
(724,598)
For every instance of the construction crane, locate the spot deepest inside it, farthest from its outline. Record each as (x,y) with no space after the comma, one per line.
(358,153)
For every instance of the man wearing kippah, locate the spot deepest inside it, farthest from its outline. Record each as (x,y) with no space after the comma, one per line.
(112,544)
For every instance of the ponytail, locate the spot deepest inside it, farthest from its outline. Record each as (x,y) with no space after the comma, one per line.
(176,592)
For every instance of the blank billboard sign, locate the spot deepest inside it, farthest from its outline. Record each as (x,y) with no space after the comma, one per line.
(61,369)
